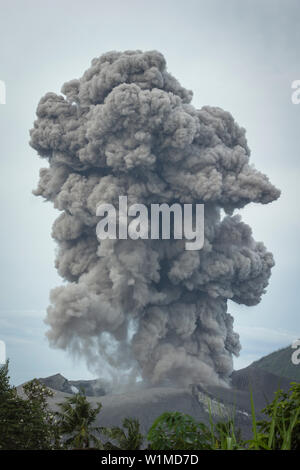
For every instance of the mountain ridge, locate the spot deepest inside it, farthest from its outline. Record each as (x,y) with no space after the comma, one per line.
(280,363)
(146,404)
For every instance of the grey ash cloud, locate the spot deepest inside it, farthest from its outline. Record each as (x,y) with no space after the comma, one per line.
(127,127)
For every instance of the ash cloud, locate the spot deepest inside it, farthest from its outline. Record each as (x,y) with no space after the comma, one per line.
(127,127)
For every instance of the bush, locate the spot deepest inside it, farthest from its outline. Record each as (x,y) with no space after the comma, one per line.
(178,431)
(282,430)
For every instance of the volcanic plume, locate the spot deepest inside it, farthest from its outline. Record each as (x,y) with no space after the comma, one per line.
(148,308)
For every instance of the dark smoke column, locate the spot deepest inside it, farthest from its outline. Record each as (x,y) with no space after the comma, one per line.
(127,128)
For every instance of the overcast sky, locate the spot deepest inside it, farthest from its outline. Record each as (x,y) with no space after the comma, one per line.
(241,55)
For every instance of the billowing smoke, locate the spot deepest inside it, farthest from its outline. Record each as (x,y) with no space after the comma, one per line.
(148,308)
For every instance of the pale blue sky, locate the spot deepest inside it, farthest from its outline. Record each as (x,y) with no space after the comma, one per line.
(240,55)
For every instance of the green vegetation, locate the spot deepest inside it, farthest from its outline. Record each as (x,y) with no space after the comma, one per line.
(178,431)
(283,428)
(174,431)
(76,420)
(122,440)
(26,423)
